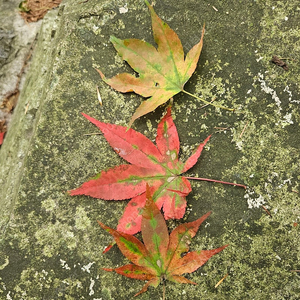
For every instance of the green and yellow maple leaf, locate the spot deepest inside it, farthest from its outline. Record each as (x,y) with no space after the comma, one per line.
(160,257)
(163,72)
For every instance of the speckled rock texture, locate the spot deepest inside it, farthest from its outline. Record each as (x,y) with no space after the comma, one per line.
(16,40)
(51,245)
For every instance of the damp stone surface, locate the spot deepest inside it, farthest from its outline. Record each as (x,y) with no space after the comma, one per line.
(51,245)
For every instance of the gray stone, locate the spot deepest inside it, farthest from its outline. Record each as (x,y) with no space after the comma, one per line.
(51,246)
(16,40)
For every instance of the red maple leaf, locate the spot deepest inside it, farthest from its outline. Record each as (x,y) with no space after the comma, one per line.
(160,257)
(158,166)
(1,137)
(2,130)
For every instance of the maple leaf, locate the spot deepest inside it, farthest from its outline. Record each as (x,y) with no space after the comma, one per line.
(160,257)
(1,137)
(163,72)
(2,131)
(157,166)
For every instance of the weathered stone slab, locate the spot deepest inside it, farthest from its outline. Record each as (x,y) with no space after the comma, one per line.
(51,246)
(16,41)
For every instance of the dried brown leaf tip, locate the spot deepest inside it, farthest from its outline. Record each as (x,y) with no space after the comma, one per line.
(34,10)
(10,100)
(279,62)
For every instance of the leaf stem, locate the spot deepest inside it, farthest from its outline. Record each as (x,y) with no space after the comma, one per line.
(207,102)
(164,290)
(218,181)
